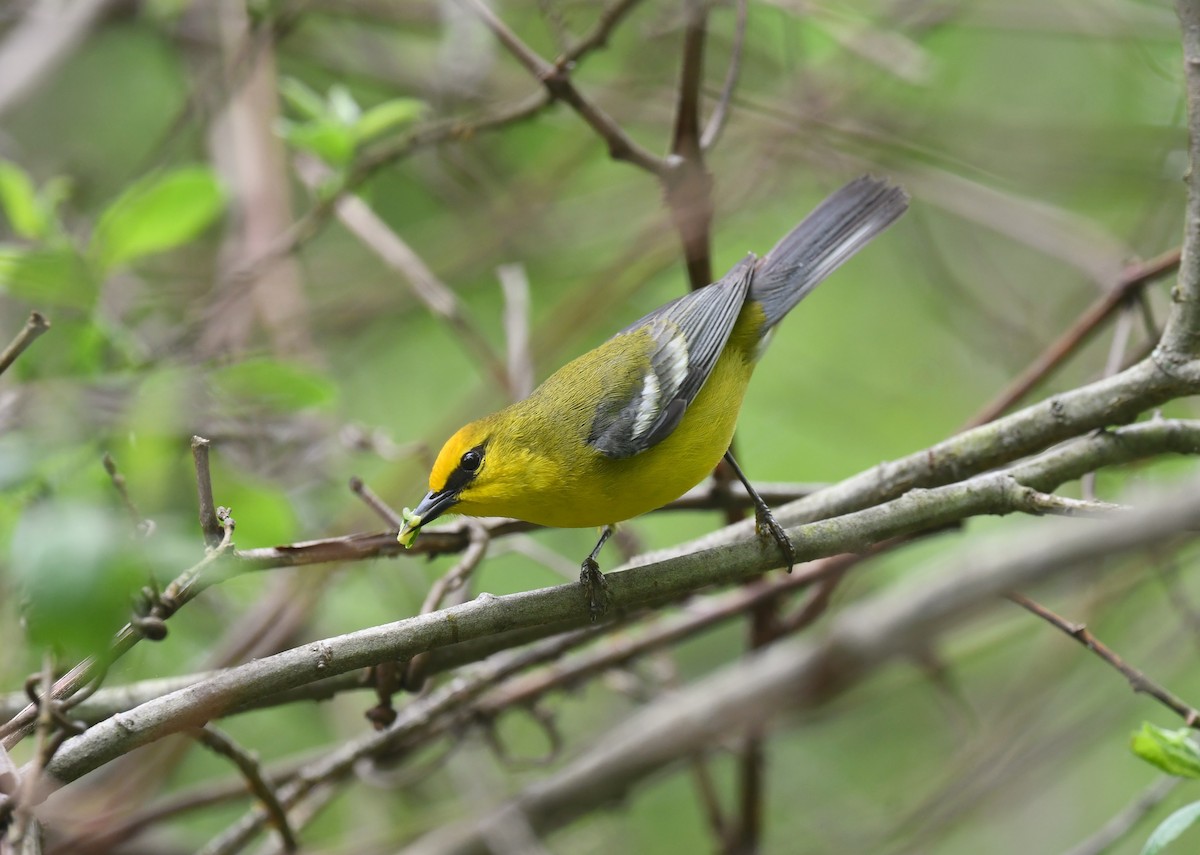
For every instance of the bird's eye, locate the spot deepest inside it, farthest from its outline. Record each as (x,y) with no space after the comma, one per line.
(470,461)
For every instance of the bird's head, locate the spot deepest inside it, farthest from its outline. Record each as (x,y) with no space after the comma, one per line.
(478,472)
(459,465)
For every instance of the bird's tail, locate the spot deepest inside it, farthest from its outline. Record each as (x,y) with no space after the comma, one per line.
(839,227)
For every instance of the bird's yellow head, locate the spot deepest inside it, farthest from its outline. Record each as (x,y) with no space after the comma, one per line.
(459,465)
(481,471)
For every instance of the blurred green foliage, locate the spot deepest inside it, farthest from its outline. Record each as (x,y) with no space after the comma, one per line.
(131,203)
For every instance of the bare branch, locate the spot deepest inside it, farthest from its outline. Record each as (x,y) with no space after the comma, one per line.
(410,731)
(34,327)
(806,675)
(434,294)
(687,183)
(209,524)
(598,37)
(549,609)
(1110,401)
(218,742)
(378,505)
(557,80)
(515,285)
(716,122)
(1132,280)
(1137,680)
(1127,819)
(1181,338)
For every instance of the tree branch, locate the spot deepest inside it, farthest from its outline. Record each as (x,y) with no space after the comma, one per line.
(1138,681)
(1181,338)
(1111,401)
(1132,281)
(559,608)
(809,674)
(34,327)
(557,80)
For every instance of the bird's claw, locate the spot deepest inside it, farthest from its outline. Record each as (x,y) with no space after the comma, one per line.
(595,587)
(765,526)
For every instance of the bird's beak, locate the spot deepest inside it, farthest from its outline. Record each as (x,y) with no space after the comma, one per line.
(435,503)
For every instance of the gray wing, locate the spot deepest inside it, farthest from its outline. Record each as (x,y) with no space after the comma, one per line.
(688,335)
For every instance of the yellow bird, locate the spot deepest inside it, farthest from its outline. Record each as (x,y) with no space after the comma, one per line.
(644,417)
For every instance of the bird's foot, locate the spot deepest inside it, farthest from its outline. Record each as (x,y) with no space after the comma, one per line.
(595,587)
(766,527)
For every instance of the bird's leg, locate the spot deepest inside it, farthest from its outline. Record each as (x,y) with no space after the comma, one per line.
(764,520)
(592,580)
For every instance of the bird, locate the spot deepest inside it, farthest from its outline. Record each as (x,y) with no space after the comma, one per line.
(638,421)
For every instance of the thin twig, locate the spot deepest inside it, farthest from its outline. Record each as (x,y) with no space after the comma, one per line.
(515,286)
(375,503)
(441,540)
(358,217)
(453,579)
(387,152)
(557,80)
(210,526)
(598,37)
(218,742)
(1064,506)
(1181,337)
(1137,680)
(141,525)
(1132,280)
(1123,822)
(687,184)
(31,780)
(196,798)
(716,121)
(34,327)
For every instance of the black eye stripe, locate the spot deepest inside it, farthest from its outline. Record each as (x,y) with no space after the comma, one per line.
(463,474)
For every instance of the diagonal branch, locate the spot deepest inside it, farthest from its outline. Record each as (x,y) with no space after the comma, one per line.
(34,327)
(560,608)
(557,80)
(810,674)
(1132,281)
(248,765)
(1137,680)
(716,122)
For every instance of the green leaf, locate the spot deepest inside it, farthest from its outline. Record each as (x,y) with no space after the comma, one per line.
(19,199)
(1173,751)
(1171,827)
(47,276)
(331,142)
(274,384)
(304,101)
(157,214)
(79,567)
(74,569)
(387,117)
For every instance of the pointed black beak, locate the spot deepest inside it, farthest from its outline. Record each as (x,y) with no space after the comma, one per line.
(435,503)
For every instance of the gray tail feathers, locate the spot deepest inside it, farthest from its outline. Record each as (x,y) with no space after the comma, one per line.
(839,227)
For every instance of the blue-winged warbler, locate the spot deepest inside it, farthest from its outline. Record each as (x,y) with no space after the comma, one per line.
(639,420)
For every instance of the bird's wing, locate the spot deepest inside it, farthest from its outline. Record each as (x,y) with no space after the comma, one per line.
(686,338)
